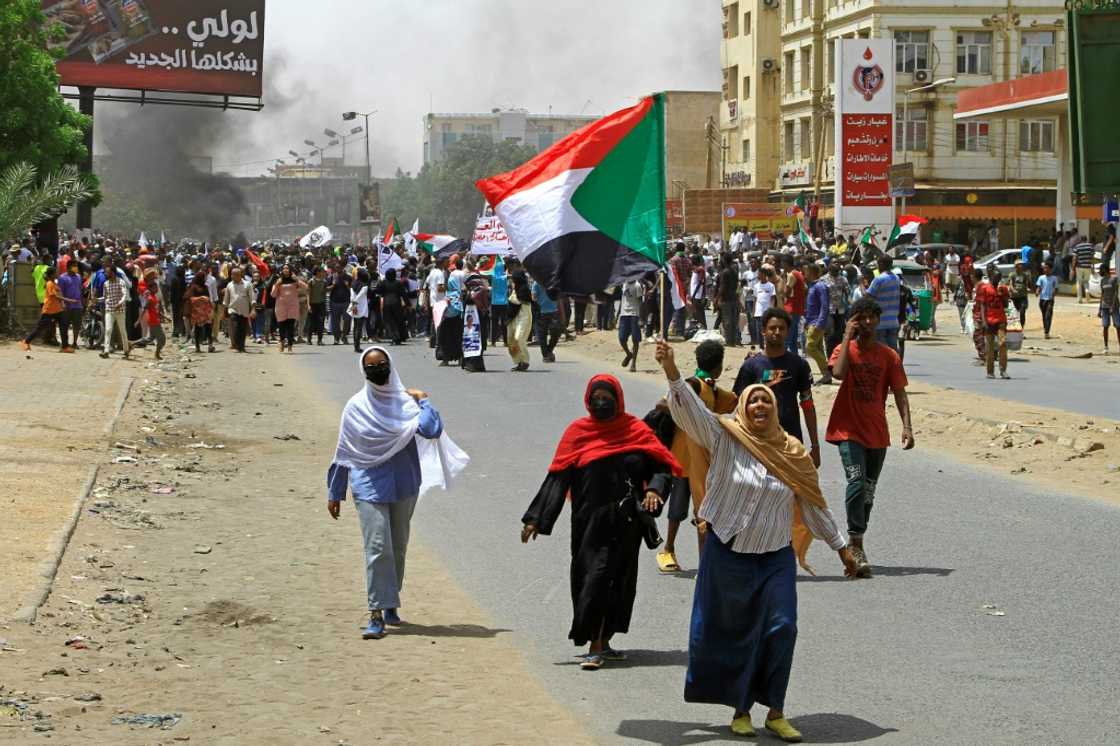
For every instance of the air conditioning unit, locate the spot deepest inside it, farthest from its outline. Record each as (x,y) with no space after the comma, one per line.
(769,65)
(772,4)
(921,76)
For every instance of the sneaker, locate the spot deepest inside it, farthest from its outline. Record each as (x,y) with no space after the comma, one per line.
(375,630)
(992,375)
(1104,351)
(392,617)
(1003,375)
(863,567)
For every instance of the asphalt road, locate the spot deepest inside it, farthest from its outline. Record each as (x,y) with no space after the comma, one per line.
(1033,381)
(912,656)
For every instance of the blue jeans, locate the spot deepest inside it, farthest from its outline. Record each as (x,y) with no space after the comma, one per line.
(889,337)
(794,333)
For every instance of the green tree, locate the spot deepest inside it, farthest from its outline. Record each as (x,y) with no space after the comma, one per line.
(37,126)
(26,200)
(443,195)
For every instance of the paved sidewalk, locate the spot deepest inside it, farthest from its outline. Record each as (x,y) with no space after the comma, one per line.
(53,420)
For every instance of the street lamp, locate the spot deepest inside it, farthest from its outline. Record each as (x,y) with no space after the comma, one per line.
(349,116)
(906,107)
(906,116)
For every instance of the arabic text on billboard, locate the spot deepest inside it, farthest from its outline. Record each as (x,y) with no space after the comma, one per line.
(205,46)
(865,81)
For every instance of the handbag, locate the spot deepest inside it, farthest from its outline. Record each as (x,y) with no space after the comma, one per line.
(630,508)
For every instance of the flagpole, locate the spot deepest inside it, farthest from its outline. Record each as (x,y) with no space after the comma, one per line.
(661,300)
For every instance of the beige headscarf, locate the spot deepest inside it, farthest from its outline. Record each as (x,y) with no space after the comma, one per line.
(785,458)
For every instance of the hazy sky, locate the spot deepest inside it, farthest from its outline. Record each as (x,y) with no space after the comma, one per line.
(396,56)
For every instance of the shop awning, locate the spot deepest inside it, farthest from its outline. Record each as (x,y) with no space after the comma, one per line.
(1040,95)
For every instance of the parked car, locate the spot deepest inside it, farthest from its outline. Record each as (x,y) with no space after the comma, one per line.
(938,250)
(1004,260)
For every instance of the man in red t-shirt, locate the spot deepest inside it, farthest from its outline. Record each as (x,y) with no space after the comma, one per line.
(796,293)
(992,297)
(858,423)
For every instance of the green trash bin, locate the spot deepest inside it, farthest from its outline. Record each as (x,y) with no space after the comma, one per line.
(925,308)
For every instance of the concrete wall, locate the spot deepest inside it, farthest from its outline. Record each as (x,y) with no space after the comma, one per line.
(686,141)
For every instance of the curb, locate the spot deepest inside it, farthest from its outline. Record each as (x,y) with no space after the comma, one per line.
(57,548)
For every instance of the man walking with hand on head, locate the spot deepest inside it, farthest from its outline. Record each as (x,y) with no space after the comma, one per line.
(868,369)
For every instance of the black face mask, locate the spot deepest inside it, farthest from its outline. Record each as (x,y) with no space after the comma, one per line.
(603,409)
(377,374)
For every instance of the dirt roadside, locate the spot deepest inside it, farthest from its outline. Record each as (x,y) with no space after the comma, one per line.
(206,591)
(1065,451)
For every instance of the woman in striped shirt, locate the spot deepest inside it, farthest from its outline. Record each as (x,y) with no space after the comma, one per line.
(744,612)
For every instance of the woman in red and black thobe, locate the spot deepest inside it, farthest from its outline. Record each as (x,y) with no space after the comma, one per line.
(617,474)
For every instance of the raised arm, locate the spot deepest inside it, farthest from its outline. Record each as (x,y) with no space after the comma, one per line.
(689,413)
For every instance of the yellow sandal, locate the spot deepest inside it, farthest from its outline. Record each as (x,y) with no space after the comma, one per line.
(783,730)
(667,562)
(741,726)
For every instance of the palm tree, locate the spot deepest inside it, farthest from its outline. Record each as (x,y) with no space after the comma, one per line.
(25,201)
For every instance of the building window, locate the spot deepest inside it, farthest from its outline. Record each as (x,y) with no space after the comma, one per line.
(746,86)
(806,8)
(747,23)
(911,51)
(787,145)
(746,150)
(864,33)
(911,133)
(1036,136)
(806,139)
(788,72)
(806,67)
(831,61)
(1037,52)
(974,53)
(789,11)
(829,136)
(731,83)
(972,137)
(731,21)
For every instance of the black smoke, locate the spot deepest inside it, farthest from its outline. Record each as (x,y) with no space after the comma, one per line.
(159,160)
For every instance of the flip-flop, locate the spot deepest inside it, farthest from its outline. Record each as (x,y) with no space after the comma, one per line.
(592,662)
(667,562)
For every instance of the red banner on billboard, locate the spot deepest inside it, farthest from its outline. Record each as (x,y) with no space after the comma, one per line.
(867,160)
(204,46)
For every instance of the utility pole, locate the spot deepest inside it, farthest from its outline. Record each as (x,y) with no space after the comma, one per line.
(85,106)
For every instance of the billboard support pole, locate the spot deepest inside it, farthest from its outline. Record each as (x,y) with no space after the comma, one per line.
(85,106)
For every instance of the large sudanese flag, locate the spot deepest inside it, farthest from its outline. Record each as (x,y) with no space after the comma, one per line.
(589,212)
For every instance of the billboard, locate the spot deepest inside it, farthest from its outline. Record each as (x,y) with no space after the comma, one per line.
(1094,55)
(369,203)
(761,218)
(865,137)
(204,46)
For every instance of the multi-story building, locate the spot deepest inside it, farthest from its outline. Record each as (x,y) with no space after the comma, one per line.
(536,130)
(967,173)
